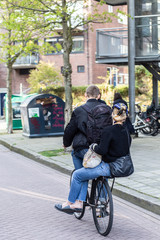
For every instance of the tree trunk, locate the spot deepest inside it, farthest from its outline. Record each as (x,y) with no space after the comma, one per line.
(9,97)
(67,68)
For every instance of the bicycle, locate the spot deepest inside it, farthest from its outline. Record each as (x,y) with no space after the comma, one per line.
(143,123)
(102,207)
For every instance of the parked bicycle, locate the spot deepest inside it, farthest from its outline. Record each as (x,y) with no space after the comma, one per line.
(145,123)
(155,112)
(99,199)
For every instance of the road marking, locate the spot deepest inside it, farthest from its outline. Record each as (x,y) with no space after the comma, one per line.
(32,194)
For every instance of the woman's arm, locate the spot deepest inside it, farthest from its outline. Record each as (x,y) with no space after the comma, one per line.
(103,147)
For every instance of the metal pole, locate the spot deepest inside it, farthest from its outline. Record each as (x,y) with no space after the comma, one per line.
(155,90)
(155,42)
(131,58)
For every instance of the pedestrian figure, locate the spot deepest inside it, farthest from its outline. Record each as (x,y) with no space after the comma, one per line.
(118,99)
(76,131)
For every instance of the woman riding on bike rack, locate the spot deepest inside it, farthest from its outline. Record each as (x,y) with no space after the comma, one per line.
(114,144)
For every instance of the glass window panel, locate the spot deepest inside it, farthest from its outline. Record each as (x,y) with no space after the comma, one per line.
(57,43)
(147,36)
(80,69)
(78,44)
(110,8)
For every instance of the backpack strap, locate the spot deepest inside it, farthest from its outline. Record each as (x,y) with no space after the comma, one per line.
(86,108)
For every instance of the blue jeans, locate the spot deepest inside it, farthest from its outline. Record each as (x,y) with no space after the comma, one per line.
(77,161)
(78,158)
(80,177)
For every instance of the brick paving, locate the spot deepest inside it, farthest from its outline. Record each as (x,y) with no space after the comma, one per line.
(28,193)
(141,188)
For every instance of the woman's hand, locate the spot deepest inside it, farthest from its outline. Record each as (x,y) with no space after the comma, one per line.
(92,146)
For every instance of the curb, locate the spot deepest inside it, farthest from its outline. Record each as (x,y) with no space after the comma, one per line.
(137,199)
(37,158)
(125,193)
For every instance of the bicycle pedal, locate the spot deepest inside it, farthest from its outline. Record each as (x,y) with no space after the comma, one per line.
(102,214)
(98,213)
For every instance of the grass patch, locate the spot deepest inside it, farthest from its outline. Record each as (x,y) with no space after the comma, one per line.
(53,153)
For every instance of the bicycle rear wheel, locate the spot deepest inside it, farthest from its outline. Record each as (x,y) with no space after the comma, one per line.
(103,207)
(154,128)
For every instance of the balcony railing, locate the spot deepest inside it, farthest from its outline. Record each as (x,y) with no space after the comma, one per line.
(112,43)
(29,60)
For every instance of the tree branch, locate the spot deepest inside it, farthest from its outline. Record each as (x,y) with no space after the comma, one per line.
(27,8)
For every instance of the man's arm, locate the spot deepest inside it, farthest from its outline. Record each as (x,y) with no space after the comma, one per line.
(70,131)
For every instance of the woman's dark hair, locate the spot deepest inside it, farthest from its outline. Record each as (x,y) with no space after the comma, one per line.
(117,96)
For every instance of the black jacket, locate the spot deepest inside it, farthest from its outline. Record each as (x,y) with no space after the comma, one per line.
(115,143)
(75,131)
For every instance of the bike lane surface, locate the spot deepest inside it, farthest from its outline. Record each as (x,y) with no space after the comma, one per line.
(29,191)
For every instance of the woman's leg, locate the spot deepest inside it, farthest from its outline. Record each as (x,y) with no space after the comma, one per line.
(80,179)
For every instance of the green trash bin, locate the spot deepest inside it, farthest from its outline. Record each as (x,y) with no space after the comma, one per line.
(16,102)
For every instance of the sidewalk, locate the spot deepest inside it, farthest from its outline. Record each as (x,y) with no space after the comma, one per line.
(142,188)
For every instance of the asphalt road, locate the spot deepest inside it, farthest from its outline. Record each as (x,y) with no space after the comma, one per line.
(28,192)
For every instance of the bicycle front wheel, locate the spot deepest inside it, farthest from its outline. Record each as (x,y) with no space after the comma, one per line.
(146,130)
(103,207)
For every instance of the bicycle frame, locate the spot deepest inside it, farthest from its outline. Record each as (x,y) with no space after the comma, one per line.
(139,123)
(91,197)
(102,210)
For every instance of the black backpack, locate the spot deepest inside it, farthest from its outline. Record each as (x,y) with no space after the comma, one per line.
(98,118)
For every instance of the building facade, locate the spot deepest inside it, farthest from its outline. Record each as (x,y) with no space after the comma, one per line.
(85,70)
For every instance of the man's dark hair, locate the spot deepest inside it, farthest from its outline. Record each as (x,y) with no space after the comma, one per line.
(92,91)
(117,95)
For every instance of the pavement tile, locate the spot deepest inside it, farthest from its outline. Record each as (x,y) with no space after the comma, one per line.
(143,184)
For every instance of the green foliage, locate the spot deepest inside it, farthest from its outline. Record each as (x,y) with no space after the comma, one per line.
(143,79)
(17,38)
(106,94)
(58,91)
(53,153)
(44,77)
(19,33)
(122,89)
(79,91)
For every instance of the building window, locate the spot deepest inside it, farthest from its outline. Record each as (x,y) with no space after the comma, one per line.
(80,69)
(24,71)
(78,44)
(57,44)
(122,19)
(120,79)
(147,7)
(109,75)
(110,8)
